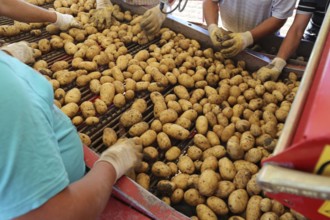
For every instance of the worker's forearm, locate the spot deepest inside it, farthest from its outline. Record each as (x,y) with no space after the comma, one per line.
(289,44)
(210,11)
(294,35)
(84,199)
(267,27)
(25,12)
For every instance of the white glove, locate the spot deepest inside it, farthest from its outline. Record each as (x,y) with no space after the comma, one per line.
(103,4)
(65,21)
(123,155)
(21,51)
(152,20)
(272,71)
(236,43)
(217,35)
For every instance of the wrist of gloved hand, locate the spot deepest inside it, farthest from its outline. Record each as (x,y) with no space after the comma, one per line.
(247,38)
(123,156)
(21,51)
(211,28)
(278,63)
(65,21)
(103,4)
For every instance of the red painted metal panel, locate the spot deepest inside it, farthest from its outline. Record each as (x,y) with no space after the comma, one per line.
(311,136)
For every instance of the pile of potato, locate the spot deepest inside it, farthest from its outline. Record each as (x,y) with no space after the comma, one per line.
(233,120)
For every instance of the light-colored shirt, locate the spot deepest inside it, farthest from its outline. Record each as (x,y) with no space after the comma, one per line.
(244,15)
(142,2)
(40,151)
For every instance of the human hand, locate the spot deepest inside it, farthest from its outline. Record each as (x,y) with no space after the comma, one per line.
(236,43)
(152,20)
(101,18)
(217,35)
(123,156)
(20,50)
(272,71)
(65,21)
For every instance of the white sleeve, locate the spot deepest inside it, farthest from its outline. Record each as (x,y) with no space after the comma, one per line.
(282,9)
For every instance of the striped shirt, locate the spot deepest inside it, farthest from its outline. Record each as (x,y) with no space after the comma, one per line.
(316,7)
(244,15)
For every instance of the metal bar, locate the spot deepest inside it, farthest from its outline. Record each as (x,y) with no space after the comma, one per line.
(306,82)
(276,179)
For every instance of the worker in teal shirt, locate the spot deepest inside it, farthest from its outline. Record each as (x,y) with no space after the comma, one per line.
(41,156)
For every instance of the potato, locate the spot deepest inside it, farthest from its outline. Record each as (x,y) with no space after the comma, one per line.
(217,205)
(140,105)
(70,109)
(148,137)
(201,141)
(193,197)
(265,205)
(59,65)
(269,216)
(40,64)
(175,131)
(109,136)
(73,95)
(166,187)
(205,213)
(228,132)
(87,109)
(92,120)
(234,150)
(164,142)
(186,80)
(177,196)
(242,164)
(150,154)
(227,169)
(85,139)
(95,86)
(253,211)
(144,180)
(237,201)
(173,153)
(202,125)
(44,45)
(100,106)
(194,152)
(107,93)
(210,162)
(207,183)
(77,120)
(225,188)
(181,180)
(168,116)
(70,48)
(138,128)
(181,92)
(241,178)
(160,169)
(186,165)
(119,100)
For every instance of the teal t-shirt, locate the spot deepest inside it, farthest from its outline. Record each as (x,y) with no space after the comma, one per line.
(40,150)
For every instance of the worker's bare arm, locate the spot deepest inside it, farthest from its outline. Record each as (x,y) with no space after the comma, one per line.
(294,35)
(14,8)
(267,27)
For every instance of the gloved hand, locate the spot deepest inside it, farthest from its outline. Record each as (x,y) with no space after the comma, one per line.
(21,51)
(217,34)
(123,155)
(272,71)
(101,18)
(65,21)
(236,43)
(152,20)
